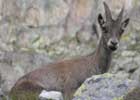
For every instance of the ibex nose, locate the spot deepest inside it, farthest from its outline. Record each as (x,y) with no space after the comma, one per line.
(114,42)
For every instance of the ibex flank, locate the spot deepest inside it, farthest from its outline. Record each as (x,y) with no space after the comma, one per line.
(66,76)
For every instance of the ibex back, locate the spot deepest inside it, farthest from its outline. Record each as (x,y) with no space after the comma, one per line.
(66,76)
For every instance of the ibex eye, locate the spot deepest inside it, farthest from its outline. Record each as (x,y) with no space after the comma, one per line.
(105,30)
(121,31)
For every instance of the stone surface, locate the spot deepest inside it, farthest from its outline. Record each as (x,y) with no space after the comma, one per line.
(50,95)
(127,63)
(105,87)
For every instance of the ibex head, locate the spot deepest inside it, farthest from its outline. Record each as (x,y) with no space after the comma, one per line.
(112,29)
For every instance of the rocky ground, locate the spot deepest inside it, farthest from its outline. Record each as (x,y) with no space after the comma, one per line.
(105,87)
(36,32)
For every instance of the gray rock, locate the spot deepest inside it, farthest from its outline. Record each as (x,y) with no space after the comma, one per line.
(50,95)
(105,87)
(3,96)
(127,64)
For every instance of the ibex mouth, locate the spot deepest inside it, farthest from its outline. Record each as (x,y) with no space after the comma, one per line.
(113,48)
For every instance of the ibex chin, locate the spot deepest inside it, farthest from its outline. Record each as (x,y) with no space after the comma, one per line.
(66,76)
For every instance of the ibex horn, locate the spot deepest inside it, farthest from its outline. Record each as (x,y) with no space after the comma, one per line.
(107,12)
(120,15)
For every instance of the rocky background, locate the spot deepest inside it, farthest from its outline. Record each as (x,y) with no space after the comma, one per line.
(36,32)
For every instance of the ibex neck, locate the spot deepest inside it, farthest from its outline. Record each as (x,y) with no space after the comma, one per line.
(102,57)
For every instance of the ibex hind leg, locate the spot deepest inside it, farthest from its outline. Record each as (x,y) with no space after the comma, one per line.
(26,90)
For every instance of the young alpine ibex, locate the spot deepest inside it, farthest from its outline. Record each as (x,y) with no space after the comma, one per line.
(66,76)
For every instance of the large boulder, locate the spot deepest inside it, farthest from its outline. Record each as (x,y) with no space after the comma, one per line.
(105,87)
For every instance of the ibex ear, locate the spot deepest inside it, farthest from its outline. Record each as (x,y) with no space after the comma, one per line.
(101,20)
(125,23)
